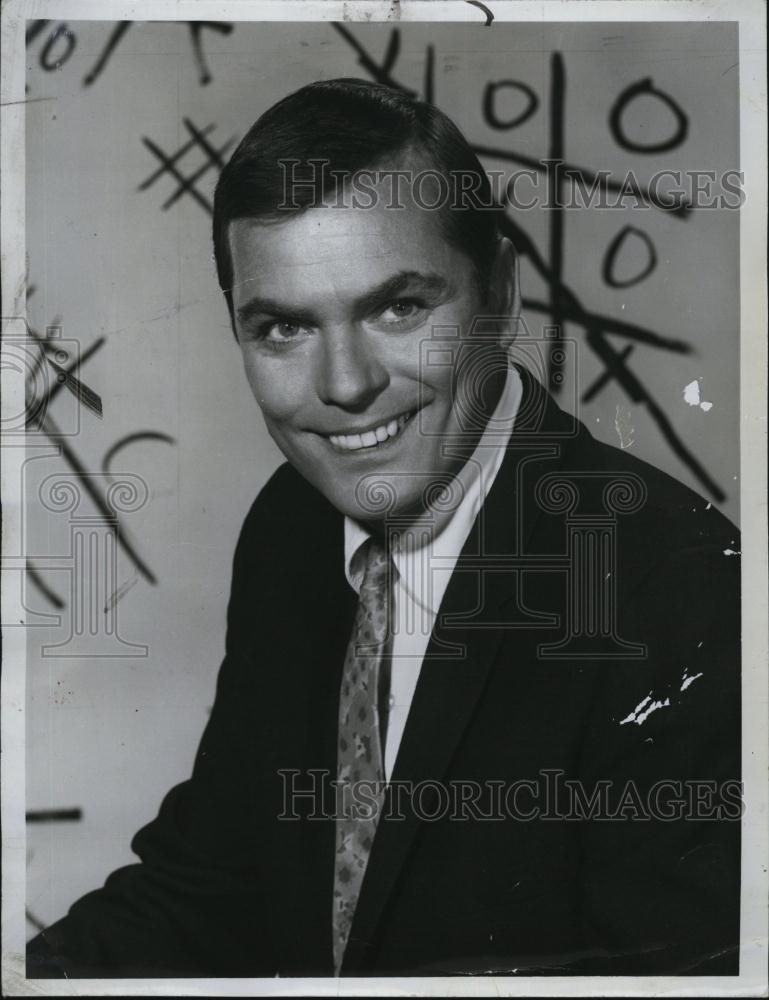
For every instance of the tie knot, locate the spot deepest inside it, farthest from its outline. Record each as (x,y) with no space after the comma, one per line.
(375,589)
(376,565)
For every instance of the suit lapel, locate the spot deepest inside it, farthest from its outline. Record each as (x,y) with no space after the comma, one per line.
(461,652)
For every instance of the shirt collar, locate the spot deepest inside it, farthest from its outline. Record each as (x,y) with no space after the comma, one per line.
(431,546)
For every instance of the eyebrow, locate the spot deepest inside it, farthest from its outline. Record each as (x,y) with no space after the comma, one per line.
(412,281)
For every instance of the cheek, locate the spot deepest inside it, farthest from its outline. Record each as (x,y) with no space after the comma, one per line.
(440,379)
(437,376)
(273,388)
(453,365)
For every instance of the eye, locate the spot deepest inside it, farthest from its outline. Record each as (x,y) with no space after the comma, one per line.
(279,332)
(401,311)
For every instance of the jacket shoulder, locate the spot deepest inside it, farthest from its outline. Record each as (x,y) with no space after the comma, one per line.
(288,522)
(669,516)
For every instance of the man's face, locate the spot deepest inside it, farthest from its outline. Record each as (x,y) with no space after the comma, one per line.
(331,307)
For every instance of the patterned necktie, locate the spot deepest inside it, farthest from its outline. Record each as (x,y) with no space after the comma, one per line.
(360,765)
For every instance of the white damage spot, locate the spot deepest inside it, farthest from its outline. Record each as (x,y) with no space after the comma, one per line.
(623,426)
(692,396)
(692,393)
(689,680)
(644,709)
(732,552)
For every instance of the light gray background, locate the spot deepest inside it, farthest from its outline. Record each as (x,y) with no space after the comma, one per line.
(110,736)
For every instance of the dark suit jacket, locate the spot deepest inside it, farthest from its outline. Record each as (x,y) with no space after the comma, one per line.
(524,681)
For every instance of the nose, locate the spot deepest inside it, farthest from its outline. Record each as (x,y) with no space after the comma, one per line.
(349,373)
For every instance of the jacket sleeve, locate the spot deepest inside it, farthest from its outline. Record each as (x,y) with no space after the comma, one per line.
(193,906)
(662,877)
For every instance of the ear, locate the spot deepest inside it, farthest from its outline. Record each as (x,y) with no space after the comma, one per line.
(505,290)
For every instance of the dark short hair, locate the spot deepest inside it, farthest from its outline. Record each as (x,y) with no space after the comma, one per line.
(352,125)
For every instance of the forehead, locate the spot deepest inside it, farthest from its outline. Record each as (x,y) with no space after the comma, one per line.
(348,249)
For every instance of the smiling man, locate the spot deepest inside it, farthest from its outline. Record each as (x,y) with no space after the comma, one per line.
(332,300)
(479,710)
(331,310)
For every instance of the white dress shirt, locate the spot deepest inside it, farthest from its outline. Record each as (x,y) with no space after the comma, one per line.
(424,558)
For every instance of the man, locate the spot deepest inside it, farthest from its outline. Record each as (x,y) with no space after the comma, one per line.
(479,710)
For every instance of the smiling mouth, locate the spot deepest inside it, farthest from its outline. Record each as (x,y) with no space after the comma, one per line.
(374,438)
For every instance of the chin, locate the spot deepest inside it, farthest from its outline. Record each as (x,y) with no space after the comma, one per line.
(373,504)
(381,504)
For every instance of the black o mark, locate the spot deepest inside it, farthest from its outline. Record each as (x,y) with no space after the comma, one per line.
(619,107)
(47,60)
(612,252)
(489,103)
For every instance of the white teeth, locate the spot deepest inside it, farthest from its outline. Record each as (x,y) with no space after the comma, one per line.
(352,442)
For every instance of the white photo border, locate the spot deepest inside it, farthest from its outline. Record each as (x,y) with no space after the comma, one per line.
(751,16)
